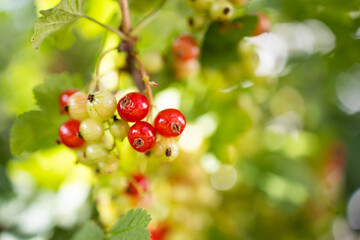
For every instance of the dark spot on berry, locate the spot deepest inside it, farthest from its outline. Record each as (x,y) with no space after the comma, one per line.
(77,162)
(168,152)
(115,118)
(79,134)
(97,170)
(66,108)
(148,153)
(91,97)
(180,53)
(84,154)
(175,127)
(138,142)
(191,21)
(125,103)
(226,10)
(58,141)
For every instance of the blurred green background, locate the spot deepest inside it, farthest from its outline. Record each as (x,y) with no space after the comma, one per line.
(271,149)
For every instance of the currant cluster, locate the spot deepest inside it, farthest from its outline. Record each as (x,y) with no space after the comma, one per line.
(214,10)
(186,52)
(93,114)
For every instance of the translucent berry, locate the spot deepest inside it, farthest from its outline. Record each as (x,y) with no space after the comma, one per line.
(63,100)
(77,106)
(96,153)
(142,136)
(139,183)
(170,122)
(153,61)
(91,130)
(133,107)
(263,24)
(186,69)
(101,105)
(119,128)
(185,48)
(166,149)
(69,134)
(221,11)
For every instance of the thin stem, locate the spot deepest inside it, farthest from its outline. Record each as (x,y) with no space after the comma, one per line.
(125,13)
(108,27)
(145,77)
(146,19)
(97,71)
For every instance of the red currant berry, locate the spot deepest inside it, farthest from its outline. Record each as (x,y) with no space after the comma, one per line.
(170,122)
(263,24)
(142,136)
(63,99)
(185,48)
(159,233)
(139,184)
(133,107)
(69,133)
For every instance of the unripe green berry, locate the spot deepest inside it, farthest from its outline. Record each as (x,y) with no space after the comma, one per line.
(96,153)
(221,11)
(153,61)
(91,130)
(166,149)
(197,22)
(101,105)
(119,129)
(77,106)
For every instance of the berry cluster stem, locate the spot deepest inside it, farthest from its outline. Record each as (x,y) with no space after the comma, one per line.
(132,57)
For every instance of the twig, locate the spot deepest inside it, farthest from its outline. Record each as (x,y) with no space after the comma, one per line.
(108,27)
(142,23)
(125,14)
(145,78)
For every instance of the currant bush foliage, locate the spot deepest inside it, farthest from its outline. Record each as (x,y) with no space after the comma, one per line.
(131,225)
(34,130)
(55,19)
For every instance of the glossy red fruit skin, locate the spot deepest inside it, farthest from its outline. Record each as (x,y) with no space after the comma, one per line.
(142,136)
(170,122)
(63,99)
(142,183)
(185,48)
(69,134)
(133,107)
(263,25)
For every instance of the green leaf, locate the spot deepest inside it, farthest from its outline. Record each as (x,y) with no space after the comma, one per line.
(47,94)
(90,231)
(35,130)
(221,41)
(55,19)
(131,226)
